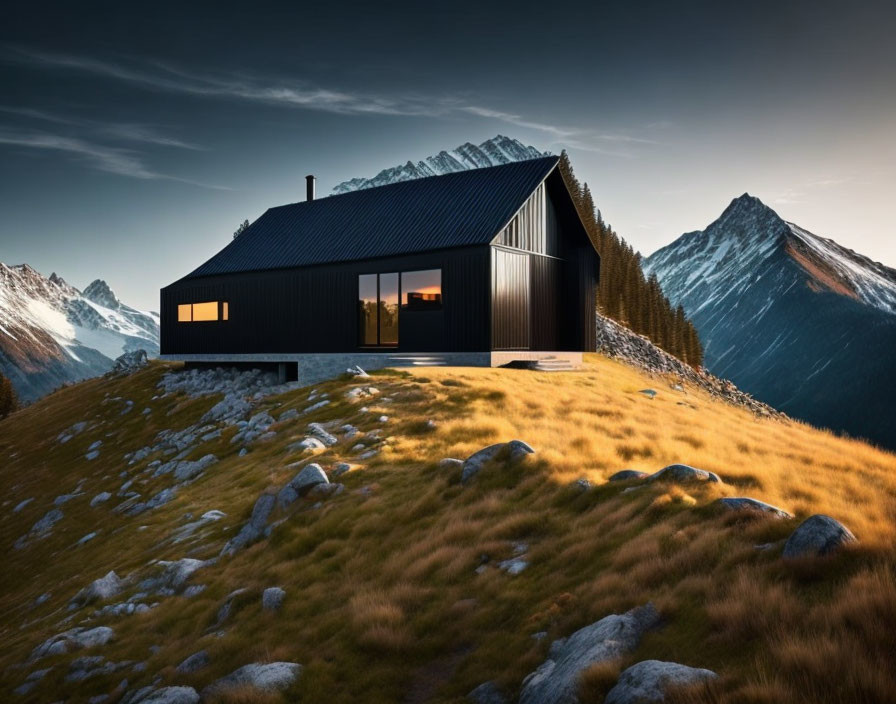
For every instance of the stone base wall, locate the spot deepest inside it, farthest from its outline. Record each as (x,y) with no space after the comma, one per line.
(314,368)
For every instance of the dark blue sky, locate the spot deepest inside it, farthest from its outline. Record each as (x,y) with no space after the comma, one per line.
(135,137)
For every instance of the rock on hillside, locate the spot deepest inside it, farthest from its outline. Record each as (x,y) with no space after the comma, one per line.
(615,340)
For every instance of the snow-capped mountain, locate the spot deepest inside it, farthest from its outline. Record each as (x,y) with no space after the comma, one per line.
(51,333)
(801,322)
(492,152)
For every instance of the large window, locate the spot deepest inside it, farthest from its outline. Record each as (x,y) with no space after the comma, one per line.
(381,295)
(205,311)
(421,290)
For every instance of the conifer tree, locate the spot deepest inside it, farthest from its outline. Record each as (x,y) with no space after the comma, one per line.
(623,292)
(9,401)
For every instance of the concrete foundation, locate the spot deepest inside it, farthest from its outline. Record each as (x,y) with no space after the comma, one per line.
(314,368)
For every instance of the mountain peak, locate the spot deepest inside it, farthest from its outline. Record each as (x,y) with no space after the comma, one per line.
(99,292)
(492,152)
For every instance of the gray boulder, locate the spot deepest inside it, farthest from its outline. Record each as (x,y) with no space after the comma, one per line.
(742,503)
(321,433)
(194,663)
(287,496)
(173,576)
(310,476)
(271,677)
(100,589)
(100,498)
(45,524)
(627,474)
(648,681)
(272,598)
(556,680)
(487,693)
(172,695)
(513,451)
(72,640)
(254,528)
(130,362)
(188,470)
(817,535)
(451,463)
(683,473)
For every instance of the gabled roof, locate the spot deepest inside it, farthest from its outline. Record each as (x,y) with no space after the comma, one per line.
(456,210)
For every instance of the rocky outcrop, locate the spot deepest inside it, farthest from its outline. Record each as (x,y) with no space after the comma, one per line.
(272,598)
(130,362)
(615,340)
(626,475)
(683,473)
(271,677)
(73,639)
(817,535)
(511,452)
(743,503)
(254,528)
(487,693)
(170,695)
(194,663)
(556,680)
(649,680)
(100,589)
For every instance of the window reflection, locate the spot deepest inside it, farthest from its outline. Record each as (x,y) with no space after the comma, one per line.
(388,309)
(185,313)
(422,290)
(367,305)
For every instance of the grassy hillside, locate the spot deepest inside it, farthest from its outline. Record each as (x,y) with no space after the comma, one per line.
(383,599)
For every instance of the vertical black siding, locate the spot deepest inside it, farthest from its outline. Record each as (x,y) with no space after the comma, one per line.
(314,309)
(545,302)
(510,300)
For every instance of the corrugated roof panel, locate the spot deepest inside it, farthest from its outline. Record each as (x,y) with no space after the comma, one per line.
(455,210)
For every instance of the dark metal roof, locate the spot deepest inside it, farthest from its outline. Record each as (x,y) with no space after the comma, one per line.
(455,210)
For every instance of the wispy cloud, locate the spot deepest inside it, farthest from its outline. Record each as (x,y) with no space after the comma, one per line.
(130,132)
(305,95)
(147,135)
(98,156)
(811,189)
(302,94)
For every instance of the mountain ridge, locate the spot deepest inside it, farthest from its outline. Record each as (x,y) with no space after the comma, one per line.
(799,321)
(51,333)
(492,152)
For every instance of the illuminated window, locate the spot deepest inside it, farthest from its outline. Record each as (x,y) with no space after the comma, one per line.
(378,300)
(367,305)
(421,290)
(206,311)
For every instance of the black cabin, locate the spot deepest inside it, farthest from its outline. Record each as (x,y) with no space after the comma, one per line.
(480,267)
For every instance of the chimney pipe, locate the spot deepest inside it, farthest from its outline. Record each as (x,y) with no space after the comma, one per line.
(309,187)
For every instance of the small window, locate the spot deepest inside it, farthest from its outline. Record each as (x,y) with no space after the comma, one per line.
(205,311)
(421,290)
(194,312)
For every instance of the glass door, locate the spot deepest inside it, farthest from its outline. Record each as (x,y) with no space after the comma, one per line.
(378,299)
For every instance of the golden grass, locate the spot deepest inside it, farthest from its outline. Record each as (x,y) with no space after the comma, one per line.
(383,602)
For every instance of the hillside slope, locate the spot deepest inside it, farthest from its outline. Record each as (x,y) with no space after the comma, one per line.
(51,333)
(407,585)
(798,321)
